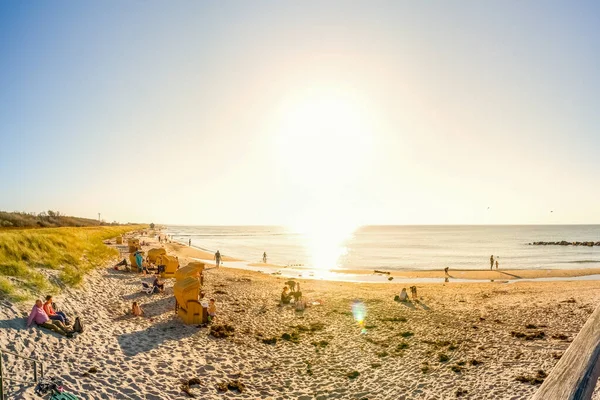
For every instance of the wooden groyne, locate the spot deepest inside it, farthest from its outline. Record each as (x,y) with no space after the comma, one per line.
(575,375)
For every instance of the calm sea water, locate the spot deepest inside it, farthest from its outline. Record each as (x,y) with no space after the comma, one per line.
(403,247)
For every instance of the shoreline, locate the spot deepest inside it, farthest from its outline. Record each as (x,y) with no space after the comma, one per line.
(425,276)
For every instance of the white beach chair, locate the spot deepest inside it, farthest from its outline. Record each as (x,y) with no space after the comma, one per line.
(146,288)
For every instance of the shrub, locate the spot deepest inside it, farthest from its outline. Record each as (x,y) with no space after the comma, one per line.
(291,337)
(221,331)
(394,319)
(353,374)
(402,346)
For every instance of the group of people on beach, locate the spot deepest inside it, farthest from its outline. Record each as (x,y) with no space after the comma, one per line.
(290,291)
(44,315)
(492,262)
(164,239)
(218,258)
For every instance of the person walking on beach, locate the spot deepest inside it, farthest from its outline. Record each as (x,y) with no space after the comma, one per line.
(496,263)
(265,257)
(491,262)
(190,242)
(218,258)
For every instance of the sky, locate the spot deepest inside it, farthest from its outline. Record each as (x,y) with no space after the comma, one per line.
(302,112)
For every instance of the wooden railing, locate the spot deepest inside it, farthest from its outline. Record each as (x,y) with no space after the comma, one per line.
(4,379)
(575,375)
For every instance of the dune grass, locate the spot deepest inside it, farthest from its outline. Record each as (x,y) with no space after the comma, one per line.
(70,252)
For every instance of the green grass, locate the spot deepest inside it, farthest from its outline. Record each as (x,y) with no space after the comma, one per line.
(72,252)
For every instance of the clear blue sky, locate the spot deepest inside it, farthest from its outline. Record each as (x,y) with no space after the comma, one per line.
(254,112)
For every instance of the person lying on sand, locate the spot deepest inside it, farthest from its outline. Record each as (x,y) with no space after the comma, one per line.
(55,315)
(285,296)
(39,316)
(136,309)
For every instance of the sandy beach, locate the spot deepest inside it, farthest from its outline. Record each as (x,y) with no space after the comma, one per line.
(467,340)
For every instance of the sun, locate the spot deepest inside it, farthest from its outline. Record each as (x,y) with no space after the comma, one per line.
(323,137)
(324,141)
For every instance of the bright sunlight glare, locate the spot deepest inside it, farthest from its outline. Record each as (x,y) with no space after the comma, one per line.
(324,240)
(324,139)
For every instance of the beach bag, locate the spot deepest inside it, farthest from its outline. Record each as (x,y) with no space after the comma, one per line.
(78,326)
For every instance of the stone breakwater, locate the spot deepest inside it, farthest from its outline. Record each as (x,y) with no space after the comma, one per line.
(565,243)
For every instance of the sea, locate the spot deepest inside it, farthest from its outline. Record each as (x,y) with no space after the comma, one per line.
(401,247)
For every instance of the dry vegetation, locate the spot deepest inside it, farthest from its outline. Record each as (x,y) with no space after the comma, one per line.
(41,260)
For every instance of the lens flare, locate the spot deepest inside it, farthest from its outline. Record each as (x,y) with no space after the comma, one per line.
(359,311)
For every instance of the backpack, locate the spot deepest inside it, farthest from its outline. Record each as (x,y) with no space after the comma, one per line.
(78,326)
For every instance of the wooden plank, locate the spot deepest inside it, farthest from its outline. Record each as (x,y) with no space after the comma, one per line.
(575,375)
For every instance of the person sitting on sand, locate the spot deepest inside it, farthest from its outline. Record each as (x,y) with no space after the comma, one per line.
(136,309)
(403,295)
(158,285)
(212,310)
(285,296)
(39,316)
(413,292)
(54,315)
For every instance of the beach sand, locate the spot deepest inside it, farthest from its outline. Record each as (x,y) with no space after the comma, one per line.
(397,358)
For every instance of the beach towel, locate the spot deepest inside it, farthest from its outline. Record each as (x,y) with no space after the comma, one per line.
(63,396)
